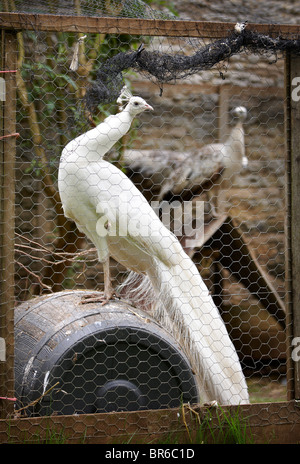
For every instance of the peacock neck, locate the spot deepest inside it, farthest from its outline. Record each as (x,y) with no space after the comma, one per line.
(236,141)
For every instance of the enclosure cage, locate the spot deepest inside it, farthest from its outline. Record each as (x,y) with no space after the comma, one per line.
(224,137)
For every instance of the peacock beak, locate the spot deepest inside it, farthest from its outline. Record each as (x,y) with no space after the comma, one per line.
(148,107)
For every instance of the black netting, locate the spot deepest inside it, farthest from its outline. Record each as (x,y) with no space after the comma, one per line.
(167,68)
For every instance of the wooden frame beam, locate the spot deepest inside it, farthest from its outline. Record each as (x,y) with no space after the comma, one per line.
(8,59)
(135,26)
(292,118)
(276,423)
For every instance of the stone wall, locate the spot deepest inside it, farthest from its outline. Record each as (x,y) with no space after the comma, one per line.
(255,11)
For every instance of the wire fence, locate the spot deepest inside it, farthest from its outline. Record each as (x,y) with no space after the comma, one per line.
(210,160)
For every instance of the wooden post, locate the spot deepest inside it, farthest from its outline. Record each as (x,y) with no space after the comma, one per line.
(8,59)
(292,117)
(224,95)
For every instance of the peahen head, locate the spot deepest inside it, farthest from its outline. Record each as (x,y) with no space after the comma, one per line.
(240,112)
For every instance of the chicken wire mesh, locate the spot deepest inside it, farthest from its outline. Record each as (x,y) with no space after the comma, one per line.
(80,358)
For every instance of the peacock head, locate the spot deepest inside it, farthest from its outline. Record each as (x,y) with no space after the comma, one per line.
(134,105)
(240,112)
(137,105)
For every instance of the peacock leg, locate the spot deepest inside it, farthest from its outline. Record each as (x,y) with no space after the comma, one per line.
(108,293)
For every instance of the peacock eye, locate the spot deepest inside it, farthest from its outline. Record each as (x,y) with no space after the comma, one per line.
(136,104)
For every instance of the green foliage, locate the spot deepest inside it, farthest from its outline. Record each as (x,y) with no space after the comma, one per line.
(213,426)
(231,428)
(56,91)
(164,3)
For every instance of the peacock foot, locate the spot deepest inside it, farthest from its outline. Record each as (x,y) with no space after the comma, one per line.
(99,297)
